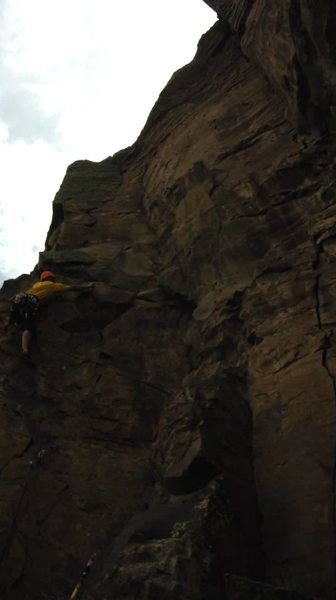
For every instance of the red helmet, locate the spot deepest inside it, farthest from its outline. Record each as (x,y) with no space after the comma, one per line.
(45,275)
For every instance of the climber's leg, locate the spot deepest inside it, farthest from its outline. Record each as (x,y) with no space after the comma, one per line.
(26,337)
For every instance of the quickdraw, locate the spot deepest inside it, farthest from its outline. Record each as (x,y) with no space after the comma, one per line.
(85,572)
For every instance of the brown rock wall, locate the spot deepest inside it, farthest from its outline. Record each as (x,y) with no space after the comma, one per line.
(295,48)
(180,421)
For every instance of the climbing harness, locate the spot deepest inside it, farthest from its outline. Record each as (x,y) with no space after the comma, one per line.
(23,306)
(84,573)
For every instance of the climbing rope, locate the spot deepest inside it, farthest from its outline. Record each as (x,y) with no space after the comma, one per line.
(40,455)
(32,463)
(84,573)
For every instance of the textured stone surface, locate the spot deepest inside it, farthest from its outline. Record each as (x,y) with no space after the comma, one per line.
(181,419)
(294,45)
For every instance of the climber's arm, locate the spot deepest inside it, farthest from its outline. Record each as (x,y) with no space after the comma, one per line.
(79,287)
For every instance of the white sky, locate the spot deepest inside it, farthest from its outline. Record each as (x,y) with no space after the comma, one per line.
(78,79)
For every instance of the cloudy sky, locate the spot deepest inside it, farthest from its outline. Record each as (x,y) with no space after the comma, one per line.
(77,81)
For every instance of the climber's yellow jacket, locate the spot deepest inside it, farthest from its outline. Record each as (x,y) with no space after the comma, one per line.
(44,289)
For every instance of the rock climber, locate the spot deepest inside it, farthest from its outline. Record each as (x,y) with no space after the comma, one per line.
(25,305)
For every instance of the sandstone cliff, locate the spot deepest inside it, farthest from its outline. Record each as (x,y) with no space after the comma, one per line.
(180,422)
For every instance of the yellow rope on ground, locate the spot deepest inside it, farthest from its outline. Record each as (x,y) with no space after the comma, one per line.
(75,591)
(84,573)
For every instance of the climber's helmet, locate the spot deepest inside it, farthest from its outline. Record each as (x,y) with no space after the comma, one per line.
(45,275)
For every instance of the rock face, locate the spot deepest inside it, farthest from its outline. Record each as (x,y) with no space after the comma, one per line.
(180,422)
